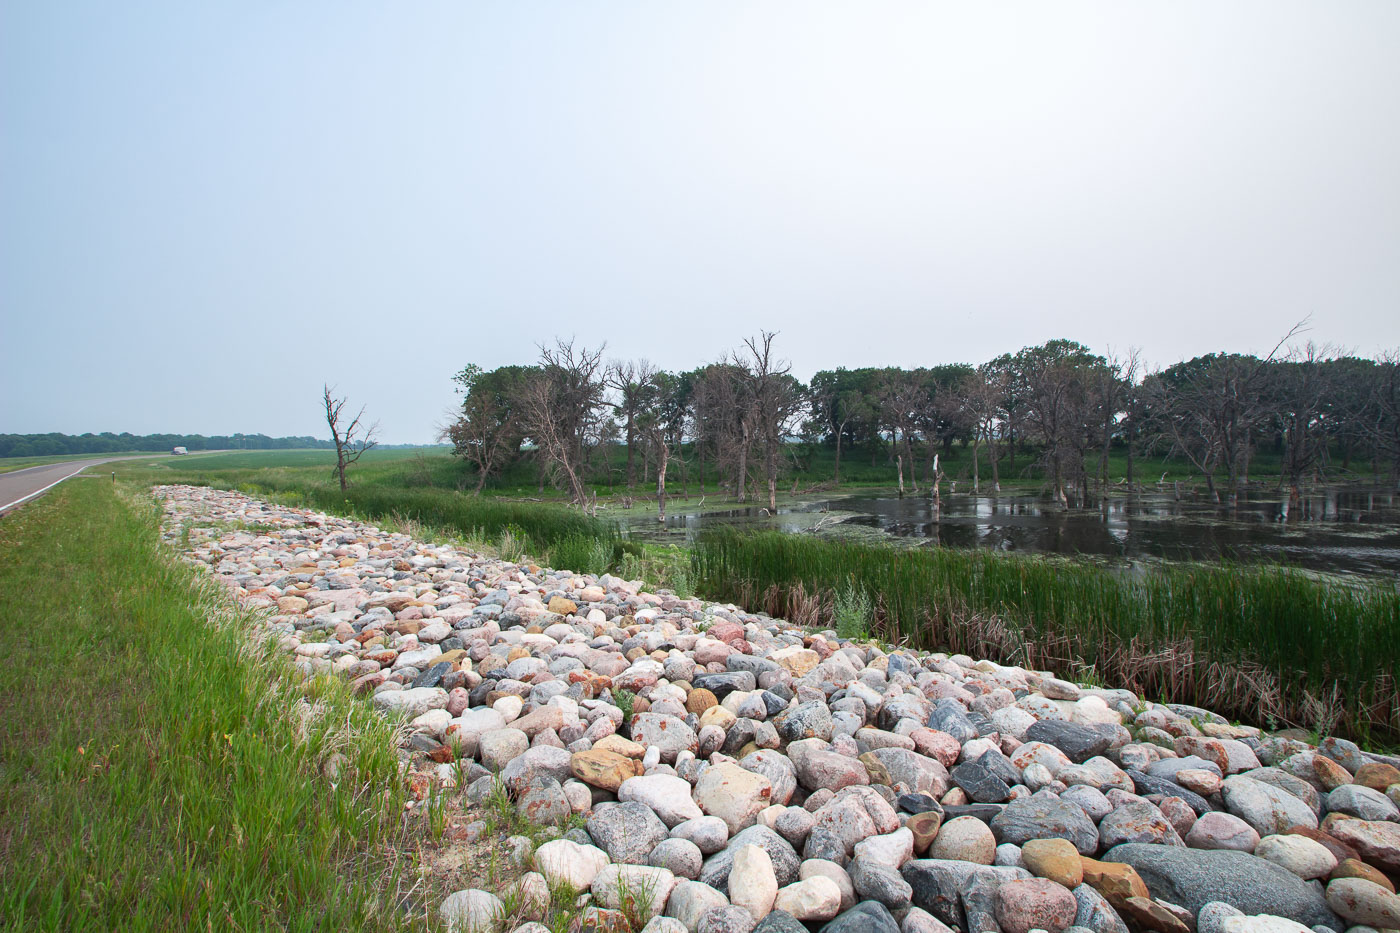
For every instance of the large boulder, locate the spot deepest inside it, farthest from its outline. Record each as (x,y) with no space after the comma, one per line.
(1192,878)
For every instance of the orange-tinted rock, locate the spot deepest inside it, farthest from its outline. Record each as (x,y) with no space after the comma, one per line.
(1355,868)
(1117,882)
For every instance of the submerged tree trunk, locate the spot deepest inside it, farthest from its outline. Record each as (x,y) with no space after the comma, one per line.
(663,456)
(976,476)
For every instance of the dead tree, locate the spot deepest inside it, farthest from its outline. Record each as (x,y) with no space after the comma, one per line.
(352,440)
(562,411)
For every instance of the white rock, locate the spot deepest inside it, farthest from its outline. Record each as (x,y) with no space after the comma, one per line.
(1263,923)
(734,795)
(668,797)
(752,882)
(508,708)
(816,899)
(412,702)
(434,721)
(822,868)
(471,911)
(642,888)
(892,849)
(1305,857)
(709,833)
(565,861)
(690,901)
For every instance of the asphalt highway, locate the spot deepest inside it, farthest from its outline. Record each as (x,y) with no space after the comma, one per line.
(22,486)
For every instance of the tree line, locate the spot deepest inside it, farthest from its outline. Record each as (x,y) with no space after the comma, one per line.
(1057,409)
(56,445)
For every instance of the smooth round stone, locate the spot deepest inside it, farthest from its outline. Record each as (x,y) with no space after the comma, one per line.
(1363,902)
(1217,830)
(965,839)
(1303,856)
(471,911)
(680,857)
(708,833)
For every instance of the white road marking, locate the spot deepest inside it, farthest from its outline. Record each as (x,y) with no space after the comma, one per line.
(45,489)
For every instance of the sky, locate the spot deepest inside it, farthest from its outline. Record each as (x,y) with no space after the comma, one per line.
(209,210)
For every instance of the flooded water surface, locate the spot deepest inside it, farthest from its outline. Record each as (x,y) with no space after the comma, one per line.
(1342,530)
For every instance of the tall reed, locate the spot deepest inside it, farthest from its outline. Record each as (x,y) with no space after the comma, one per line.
(1263,643)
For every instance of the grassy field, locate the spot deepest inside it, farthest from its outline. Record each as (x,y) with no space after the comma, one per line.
(154,771)
(1271,645)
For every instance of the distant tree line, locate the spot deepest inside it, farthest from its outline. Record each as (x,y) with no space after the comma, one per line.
(54,445)
(1057,409)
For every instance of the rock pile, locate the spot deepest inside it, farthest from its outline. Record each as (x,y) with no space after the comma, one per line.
(734,773)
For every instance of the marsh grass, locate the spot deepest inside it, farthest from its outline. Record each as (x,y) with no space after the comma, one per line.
(158,769)
(1254,642)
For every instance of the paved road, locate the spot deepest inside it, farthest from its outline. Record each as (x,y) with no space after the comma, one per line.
(21,486)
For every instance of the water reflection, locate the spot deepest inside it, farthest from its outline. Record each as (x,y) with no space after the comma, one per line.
(1345,530)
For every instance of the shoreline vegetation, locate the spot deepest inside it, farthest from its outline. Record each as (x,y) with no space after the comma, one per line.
(1270,645)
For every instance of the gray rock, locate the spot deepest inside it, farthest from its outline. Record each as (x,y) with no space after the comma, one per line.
(777,768)
(539,761)
(1079,742)
(881,883)
(1037,817)
(980,905)
(980,784)
(780,921)
(1192,878)
(808,721)
(544,802)
(922,775)
(1154,784)
(1096,913)
(626,831)
(1138,821)
(948,716)
(680,857)
(715,872)
(728,919)
(1347,754)
(794,824)
(1363,802)
(937,885)
(708,833)
(1264,807)
(1212,917)
(721,685)
(865,917)
(668,733)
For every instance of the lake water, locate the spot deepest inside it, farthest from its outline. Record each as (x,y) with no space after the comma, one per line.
(1342,530)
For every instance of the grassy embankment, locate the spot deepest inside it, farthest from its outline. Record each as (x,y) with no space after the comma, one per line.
(1269,645)
(158,770)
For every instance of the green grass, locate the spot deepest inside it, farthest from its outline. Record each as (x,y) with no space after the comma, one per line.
(1257,642)
(397,486)
(158,771)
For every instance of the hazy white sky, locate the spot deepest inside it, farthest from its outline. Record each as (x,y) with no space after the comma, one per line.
(207,210)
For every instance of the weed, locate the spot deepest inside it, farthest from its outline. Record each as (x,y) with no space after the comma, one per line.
(854,612)
(623,700)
